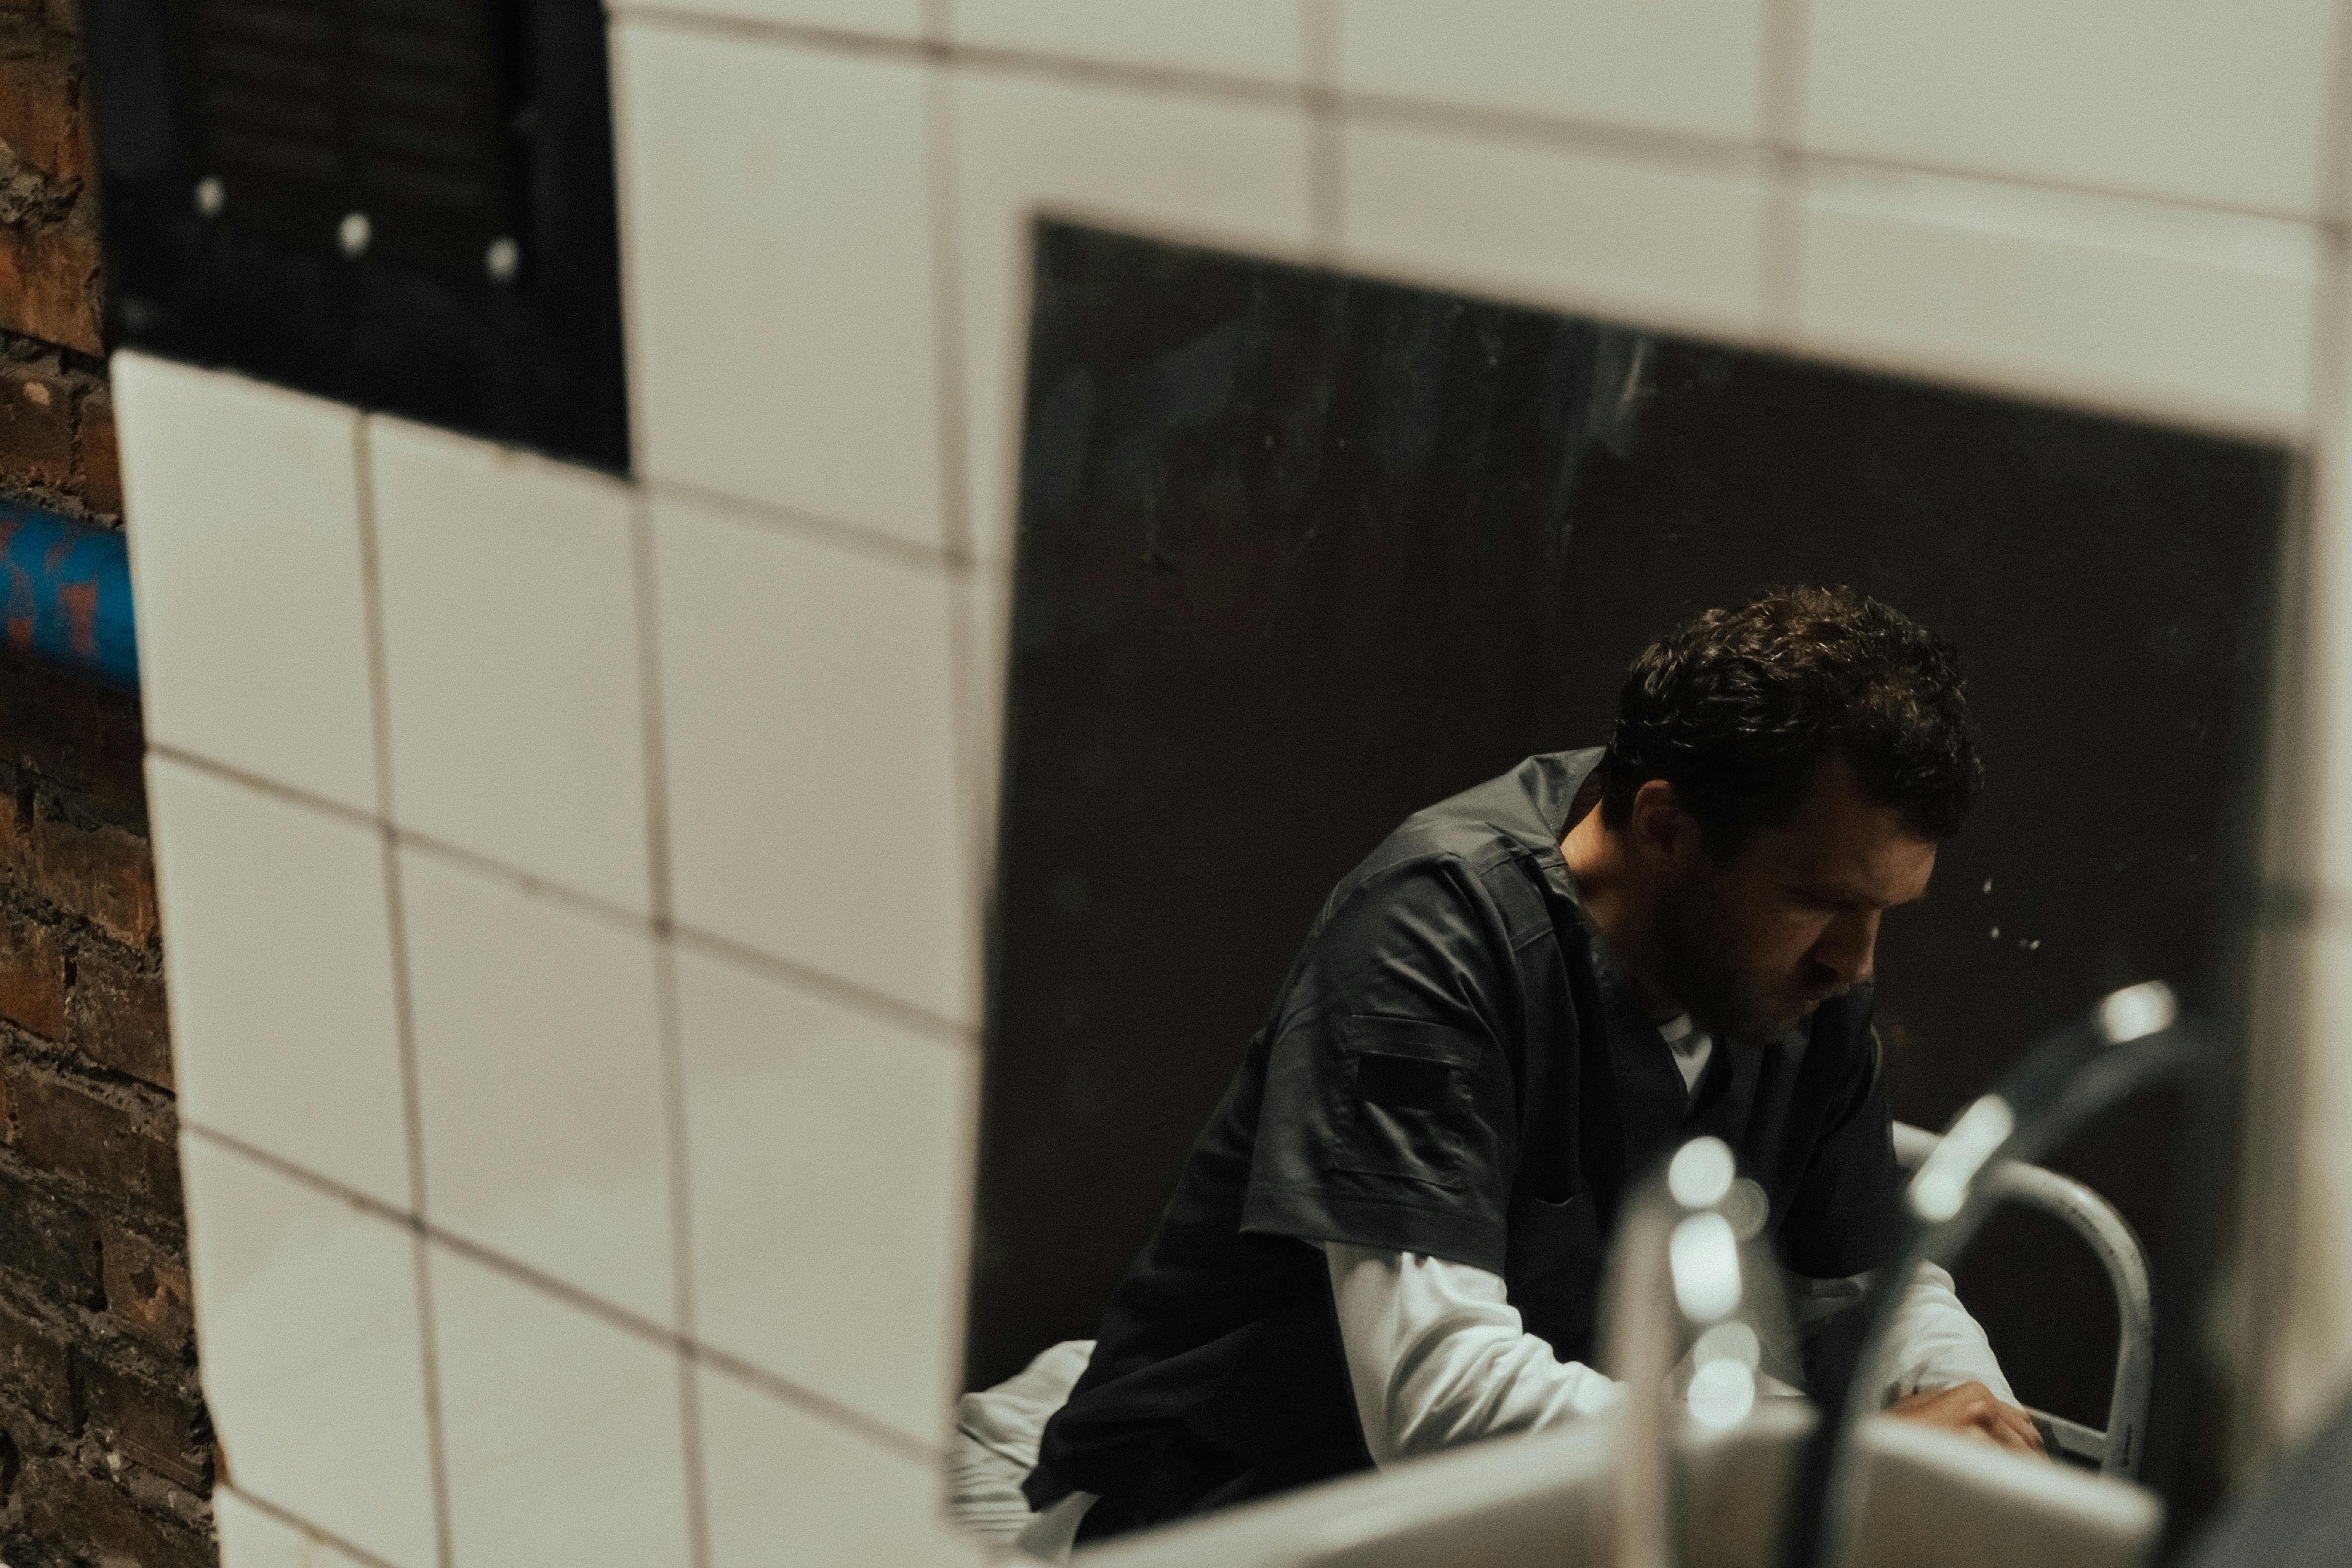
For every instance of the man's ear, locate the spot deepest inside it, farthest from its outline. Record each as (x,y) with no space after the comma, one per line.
(1664,835)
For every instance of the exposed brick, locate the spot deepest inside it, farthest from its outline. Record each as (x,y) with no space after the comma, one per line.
(147,1291)
(76,735)
(62,1504)
(35,1369)
(98,480)
(16,834)
(115,1016)
(40,104)
(32,977)
(50,1241)
(105,872)
(49,280)
(162,1428)
(37,422)
(61,1123)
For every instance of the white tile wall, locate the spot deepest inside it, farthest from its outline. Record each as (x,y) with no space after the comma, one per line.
(284,1024)
(808,703)
(312,1361)
(563,1432)
(826,231)
(251,1537)
(242,510)
(540,1084)
(511,657)
(777,248)
(1677,245)
(1689,66)
(2219,104)
(862,1125)
(787,1489)
(1233,172)
(867,18)
(2206,317)
(1260,38)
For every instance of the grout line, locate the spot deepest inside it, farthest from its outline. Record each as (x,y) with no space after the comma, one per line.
(948,379)
(947,321)
(296,1521)
(697,1487)
(1327,154)
(1569,134)
(816,1403)
(403,1003)
(2335,119)
(371,609)
(572,1294)
(674,1121)
(654,750)
(428,1339)
(669,1041)
(402,1007)
(1786,27)
(709,945)
(1783,66)
(860,538)
(826,987)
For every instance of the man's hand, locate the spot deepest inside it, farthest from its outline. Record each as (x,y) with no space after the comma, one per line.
(1973,1409)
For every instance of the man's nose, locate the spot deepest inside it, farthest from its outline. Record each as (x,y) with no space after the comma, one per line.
(1849,946)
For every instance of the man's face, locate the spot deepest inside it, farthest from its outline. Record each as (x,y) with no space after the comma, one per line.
(1753,944)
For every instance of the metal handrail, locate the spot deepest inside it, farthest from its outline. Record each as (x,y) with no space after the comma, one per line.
(2111,1238)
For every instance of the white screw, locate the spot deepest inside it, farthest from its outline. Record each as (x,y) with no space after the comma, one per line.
(503,259)
(353,234)
(210,194)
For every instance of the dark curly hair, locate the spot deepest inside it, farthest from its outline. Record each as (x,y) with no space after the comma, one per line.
(1736,708)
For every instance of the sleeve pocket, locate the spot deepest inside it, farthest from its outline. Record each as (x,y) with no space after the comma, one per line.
(1404,1106)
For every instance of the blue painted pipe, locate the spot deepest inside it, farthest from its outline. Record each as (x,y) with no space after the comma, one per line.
(68,588)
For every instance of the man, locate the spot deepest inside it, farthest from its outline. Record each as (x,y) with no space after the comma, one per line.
(1389,1239)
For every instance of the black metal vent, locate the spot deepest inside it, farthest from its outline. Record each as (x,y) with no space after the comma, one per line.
(402,204)
(376,126)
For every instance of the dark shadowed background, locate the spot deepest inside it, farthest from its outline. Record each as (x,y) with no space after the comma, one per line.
(1300,554)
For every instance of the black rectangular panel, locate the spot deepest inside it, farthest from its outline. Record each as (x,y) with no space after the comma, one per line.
(1300,554)
(402,204)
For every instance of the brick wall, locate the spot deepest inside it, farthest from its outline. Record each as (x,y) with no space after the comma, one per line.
(106,1455)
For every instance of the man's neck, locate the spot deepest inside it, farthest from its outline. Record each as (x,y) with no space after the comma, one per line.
(1624,912)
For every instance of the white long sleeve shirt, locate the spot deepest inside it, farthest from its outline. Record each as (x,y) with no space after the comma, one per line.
(1437,1355)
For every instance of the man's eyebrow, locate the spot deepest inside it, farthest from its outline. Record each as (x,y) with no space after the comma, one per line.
(1832,895)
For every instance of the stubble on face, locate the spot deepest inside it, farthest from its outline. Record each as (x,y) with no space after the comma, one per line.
(1699,948)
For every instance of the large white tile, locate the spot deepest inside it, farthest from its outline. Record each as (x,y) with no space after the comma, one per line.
(826,1156)
(811,736)
(777,220)
(539,1084)
(869,18)
(313,1368)
(1230,173)
(242,503)
(988,654)
(1693,65)
(565,1434)
(1261,38)
(511,657)
(252,1539)
(2225,104)
(284,1030)
(790,1490)
(2164,310)
(1615,236)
